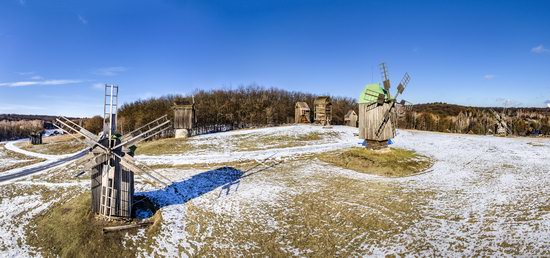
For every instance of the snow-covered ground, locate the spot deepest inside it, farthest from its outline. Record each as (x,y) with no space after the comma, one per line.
(225,145)
(6,161)
(484,196)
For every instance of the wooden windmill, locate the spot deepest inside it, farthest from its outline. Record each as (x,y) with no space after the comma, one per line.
(377,110)
(110,159)
(501,125)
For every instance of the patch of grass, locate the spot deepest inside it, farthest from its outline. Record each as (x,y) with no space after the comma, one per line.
(280,141)
(390,162)
(164,146)
(71,229)
(54,145)
(320,215)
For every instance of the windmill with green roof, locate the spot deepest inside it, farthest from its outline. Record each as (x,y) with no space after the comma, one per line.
(377,110)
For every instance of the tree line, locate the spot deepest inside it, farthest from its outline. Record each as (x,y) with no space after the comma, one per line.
(244,107)
(444,117)
(11,130)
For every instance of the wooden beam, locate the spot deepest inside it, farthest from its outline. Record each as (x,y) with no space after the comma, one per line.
(126,227)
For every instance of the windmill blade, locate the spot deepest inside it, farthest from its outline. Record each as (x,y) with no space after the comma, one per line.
(77,128)
(159,125)
(403,84)
(70,128)
(386,118)
(385,77)
(141,129)
(79,162)
(97,160)
(130,164)
(86,141)
(89,161)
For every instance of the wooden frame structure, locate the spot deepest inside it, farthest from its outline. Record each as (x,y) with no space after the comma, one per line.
(323,110)
(302,113)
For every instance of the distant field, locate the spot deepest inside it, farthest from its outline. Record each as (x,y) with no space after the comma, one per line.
(54,145)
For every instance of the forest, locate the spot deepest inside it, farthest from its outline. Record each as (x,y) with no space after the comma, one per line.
(11,130)
(256,106)
(250,106)
(442,117)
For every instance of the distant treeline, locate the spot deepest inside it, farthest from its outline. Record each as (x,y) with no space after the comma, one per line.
(244,107)
(444,117)
(257,106)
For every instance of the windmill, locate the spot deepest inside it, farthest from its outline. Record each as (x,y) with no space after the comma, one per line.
(110,158)
(377,110)
(501,125)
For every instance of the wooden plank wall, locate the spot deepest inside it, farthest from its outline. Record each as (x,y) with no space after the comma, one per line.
(370,120)
(323,113)
(352,121)
(301,116)
(184,117)
(96,188)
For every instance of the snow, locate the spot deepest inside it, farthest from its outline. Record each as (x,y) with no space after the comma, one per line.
(486,191)
(13,147)
(7,161)
(226,151)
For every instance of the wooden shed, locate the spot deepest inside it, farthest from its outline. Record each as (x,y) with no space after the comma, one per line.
(323,110)
(302,113)
(350,119)
(184,117)
(36,138)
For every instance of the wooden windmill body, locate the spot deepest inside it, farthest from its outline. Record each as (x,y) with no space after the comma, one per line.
(323,110)
(501,126)
(110,159)
(302,113)
(377,111)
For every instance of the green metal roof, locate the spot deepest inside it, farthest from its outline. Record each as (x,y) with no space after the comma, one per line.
(370,93)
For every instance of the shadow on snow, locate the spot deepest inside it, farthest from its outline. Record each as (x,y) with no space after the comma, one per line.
(189,188)
(181,192)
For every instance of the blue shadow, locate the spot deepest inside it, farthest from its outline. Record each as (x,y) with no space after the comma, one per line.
(185,190)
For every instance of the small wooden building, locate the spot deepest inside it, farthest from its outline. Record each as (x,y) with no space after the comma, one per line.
(36,138)
(184,117)
(372,108)
(302,113)
(323,110)
(350,119)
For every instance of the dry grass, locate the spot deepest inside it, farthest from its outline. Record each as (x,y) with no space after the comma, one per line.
(244,142)
(248,143)
(338,217)
(54,145)
(391,162)
(164,146)
(70,229)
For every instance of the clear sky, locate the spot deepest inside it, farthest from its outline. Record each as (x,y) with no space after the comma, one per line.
(54,54)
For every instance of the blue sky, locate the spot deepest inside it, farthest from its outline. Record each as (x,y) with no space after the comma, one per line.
(54,54)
